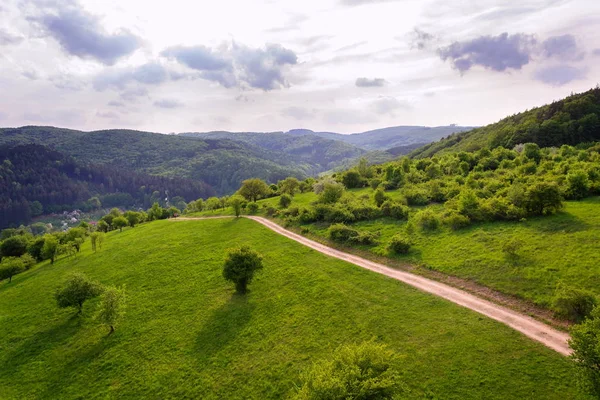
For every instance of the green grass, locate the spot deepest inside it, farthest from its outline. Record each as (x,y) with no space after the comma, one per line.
(186,335)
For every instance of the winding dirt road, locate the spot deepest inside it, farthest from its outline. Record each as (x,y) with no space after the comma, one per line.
(550,337)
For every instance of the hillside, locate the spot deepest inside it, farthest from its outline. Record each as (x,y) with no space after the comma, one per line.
(185,335)
(571,121)
(36,180)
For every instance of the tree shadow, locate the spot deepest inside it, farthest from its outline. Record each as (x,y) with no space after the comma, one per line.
(223,326)
(43,341)
(561,222)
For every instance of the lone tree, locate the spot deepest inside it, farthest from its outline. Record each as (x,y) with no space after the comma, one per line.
(254,189)
(120,223)
(110,310)
(236,203)
(365,371)
(78,289)
(289,186)
(585,342)
(240,266)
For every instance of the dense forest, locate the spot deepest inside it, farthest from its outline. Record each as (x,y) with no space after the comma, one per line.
(36,180)
(571,121)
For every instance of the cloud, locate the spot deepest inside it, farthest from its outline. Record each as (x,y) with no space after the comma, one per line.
(387,105)
(420,39)
(150,74)
(366,82)
(291,25)
(31,74)
(350,47)
(80,34)
(108,115)
(562,47)
(237,65)
(7,38)
(167,103)
(299,113)
(115,103)
(67,82)
(352,3)
(497,53)
(559,75)
(132,94)
(596,52)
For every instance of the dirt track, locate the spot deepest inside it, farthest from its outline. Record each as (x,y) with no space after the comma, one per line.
(536,330)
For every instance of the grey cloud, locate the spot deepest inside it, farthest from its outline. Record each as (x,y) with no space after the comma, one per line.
(596,52)
(67,82)
(562,47)
(115,103)
(200,58)
(420,39)
(168,103)
(350,47)
(299,113)
(366,82)
(498,53)
(7,38)
(80,34)
(559,75)
(150,74)
(363,2)
(292,24)
(238,65)
(30,74)
(132,94)
(387,105)
(108,114)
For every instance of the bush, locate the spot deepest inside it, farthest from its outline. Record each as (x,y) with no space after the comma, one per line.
(399,245)
(352,179)
(341,233)
(28,261)
(366,238)
(427,220)
(306,216)
(512,246)
(416,197)
(586,353)
(362,212)
(332,192)
(270,211)
(365,371)
(14,246)
(573,304)
(252,208)
(455,221)
(395,210)
(379,197)
(240,266)
(285,200)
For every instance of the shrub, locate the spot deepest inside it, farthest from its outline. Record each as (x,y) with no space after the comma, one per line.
(399,244)
(285,200)
(586,353)
(341,233)
(332,192)
(253,208)
(352,179)
(455,221)
(365,371)
(362,212)
(427,220)
(578,185)
(335,214)
(416,197)
(270,211)
(395,210)
(573,304)
(363,238)
(379,197)
(511,247)
(240,266)
(28,261)
(306,216)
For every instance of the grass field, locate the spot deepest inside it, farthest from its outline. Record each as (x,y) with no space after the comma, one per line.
(186,335)
(564,247)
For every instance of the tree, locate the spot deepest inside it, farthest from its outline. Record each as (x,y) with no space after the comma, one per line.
(365,371)
(331,193)
(254,189)
(50,248)
(212,203)
(289,186)
(96,238)
(236,204)
(585,342)
(240,266)
(120,223)
(379,197)
(36,208)
(9,267)
(352,179)
(543,198)
(14,246)
(155,212)
(132,217)
(76,236)
(102,226)
(285,200)
(77,290)
(110,309)
(578,185)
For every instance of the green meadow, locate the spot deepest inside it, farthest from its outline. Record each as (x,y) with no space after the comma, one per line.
(186,334)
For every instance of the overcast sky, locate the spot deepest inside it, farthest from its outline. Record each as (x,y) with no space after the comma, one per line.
(269,65)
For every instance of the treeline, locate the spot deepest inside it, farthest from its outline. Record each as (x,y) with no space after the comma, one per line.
(573,120)
(35,180)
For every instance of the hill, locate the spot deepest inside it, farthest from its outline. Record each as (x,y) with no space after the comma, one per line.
(570,121)
(36,180)
(186,335)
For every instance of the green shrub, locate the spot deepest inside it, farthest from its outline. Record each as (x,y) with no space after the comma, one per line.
(455,221)
(270,211)
(306,216)
(399,244)
(366,238)
(511,247)
(427,220)
(395,210)
(253,207)
(379,197)
(363,212)
(416,197)
(573,304)
(285,200)
(341,233)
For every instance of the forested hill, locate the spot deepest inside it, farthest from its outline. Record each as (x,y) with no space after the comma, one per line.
(573,120)
(36,180)
(223,164)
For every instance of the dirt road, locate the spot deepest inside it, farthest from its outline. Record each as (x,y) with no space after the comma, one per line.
(550,337)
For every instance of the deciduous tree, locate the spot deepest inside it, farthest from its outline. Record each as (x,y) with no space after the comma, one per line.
(240,266)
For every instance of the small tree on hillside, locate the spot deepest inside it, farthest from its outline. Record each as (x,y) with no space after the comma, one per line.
(585,342)
(240,266)
(331,193)
(132,217)
(77,290)
(50,248)
(289,186)
(110,309)
(14,246)
(9,267)
(236,204)
(120,223)
(254,189)
(102,226)
(285,200)
(543,198)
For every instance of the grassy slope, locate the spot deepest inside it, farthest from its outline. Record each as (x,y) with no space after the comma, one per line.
(186,335)
(563,247)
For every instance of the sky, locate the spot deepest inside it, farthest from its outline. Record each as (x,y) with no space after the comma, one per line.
(268,65)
